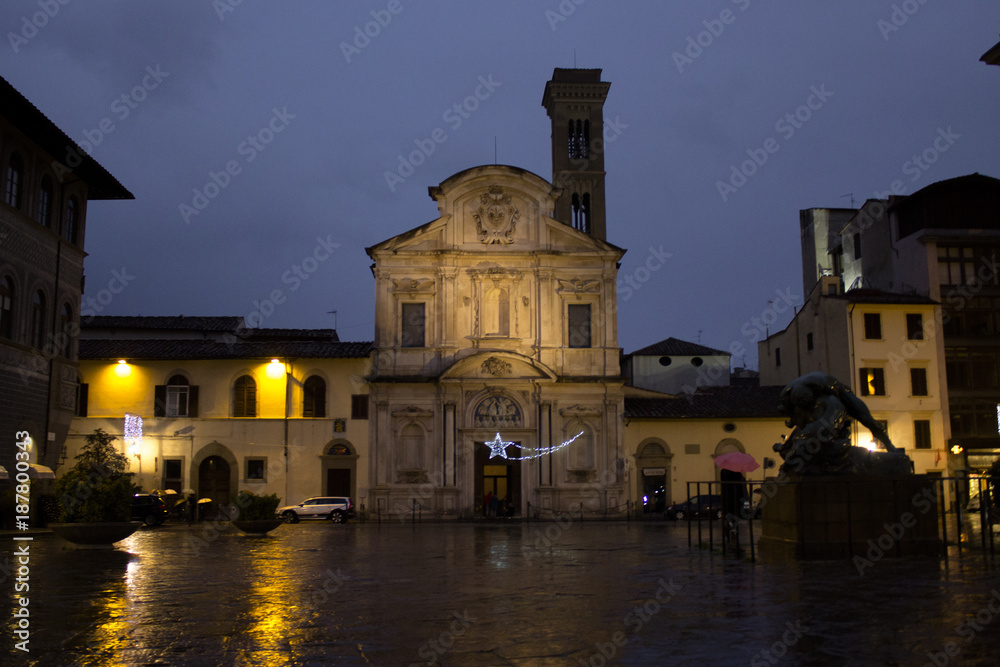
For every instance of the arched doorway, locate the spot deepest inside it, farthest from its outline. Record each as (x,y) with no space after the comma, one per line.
(653,463)
(340,464)
(213,480)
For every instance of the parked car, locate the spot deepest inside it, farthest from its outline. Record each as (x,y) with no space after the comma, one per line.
(149,509)
(704,507)
(337,509)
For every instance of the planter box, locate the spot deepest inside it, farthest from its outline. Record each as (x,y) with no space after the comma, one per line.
(95,535)
(257,527)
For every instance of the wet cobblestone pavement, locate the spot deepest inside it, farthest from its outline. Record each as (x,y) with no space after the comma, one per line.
(488,594)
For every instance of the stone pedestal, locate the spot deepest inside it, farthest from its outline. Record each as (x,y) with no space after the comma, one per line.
(828,518)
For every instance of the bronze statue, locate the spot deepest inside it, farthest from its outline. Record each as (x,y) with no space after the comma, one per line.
(820,409)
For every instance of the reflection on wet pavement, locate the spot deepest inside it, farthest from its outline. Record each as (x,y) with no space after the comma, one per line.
(497,594)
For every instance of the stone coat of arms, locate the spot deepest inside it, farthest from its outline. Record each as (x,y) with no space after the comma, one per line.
(496,217)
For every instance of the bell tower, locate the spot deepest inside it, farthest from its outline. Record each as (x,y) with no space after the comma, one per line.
(574,100)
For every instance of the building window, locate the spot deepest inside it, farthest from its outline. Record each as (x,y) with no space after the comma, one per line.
(80,404)
(314,397)
(412,330)
(914,326)
(777,357)
(956,266)
(173,474)
(6,307)
(245,397)
(921,434)
(581,212)
(579,139)
(256,469)
(857,245)
(872,382)
(873,326)
(579,324)
(69,229)
(177,398)
(45,202)
(38,320)
(809,341)
(15,181)
(918,381)
(359,406)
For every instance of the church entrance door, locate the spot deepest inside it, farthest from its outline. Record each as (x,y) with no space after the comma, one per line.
(498,477)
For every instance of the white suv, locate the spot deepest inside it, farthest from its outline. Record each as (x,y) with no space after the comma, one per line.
(337,509)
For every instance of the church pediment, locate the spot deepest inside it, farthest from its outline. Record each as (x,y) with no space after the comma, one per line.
(498,366)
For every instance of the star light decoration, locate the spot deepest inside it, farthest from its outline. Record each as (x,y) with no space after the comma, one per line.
(133,432)
(498,447)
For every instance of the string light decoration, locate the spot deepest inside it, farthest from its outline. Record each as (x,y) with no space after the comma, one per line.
(498,447)
(133,432)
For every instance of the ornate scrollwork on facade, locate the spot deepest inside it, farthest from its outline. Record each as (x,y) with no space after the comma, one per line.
(496,412)
(496,218)
(496,367)
(578,285)
(411,285)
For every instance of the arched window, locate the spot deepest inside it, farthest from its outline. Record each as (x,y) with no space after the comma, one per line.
(6,307)
(69,229)
(245,397)
(581,212)
(15,181)
(314,397)
(38,320)
(579,139)
(66,329)
(45,202)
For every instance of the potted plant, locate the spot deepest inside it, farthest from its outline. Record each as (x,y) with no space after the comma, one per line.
(256,513)
(95,496)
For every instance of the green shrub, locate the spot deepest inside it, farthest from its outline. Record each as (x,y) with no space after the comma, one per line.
(97,488)
(253,507)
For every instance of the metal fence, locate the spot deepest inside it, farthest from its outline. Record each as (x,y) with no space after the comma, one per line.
(968,513)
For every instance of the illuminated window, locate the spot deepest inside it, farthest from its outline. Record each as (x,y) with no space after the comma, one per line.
(918,381)
(872,382)
(412,329)
(873,326)
(579,324)
(245,397)
(15,181)
(6,307)
(314,397)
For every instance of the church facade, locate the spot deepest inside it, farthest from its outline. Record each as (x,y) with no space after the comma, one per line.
(497,323)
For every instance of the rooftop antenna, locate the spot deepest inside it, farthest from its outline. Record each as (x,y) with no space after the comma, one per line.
(851,195)
(699,336)
(334,313)
(494,149)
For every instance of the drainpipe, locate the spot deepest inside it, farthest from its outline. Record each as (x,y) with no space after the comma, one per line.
(288,389)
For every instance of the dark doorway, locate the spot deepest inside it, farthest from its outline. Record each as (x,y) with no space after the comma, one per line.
(338,482)
(499,476)
(213,480)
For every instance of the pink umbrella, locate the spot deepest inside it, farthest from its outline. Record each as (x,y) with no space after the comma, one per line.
(737,462)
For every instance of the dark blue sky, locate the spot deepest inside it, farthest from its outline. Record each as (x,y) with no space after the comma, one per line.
(308,114)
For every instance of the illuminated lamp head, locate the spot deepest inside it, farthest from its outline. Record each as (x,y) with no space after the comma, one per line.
(275,369)
(122,369)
